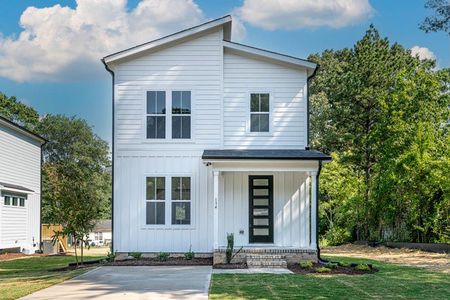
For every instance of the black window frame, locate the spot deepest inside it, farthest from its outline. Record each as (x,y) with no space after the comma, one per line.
(181,115)
(160,117)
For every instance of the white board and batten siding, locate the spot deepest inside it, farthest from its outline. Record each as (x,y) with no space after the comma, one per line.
(20,164)
(220,82)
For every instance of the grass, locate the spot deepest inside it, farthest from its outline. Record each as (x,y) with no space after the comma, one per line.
(391,282)
(23,276)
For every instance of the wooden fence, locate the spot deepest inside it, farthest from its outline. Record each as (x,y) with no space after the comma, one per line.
(48,231)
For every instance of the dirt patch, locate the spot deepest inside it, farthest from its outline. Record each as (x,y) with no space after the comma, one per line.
(9,256)
(338,270)
(439,262)
(175,261)
(231,266)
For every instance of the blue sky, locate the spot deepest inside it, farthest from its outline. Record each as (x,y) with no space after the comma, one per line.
(51,83)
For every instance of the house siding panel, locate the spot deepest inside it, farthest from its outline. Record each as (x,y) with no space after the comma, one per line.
(20,164)
(287,88)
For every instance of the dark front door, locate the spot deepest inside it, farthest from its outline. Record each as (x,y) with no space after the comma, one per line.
(261,209)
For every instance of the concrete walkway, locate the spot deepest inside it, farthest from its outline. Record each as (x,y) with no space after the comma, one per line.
(165,282)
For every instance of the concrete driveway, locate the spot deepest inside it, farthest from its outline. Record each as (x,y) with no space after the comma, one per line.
(168,282)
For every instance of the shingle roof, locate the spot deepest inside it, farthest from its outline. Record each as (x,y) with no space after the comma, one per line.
(292,154)
(15,187)
(102,226)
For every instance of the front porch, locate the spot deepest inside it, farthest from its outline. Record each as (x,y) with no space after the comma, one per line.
(268,203)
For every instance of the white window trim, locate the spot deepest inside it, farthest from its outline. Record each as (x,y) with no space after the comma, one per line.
(155,200)
(271,101)
(168,201)
(168,89)
(18,201)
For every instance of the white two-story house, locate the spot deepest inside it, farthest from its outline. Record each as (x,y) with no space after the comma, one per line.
(210,137)
(20,188)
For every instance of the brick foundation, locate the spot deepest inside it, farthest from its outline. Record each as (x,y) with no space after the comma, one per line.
(291,255)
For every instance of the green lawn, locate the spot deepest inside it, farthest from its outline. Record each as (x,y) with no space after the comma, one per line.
(20,277)
(391,282)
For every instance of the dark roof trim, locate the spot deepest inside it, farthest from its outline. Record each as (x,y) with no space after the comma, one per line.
(23,130)
(105,59)
(276,154)
(15,187)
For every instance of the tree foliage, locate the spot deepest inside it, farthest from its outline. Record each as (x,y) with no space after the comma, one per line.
(76,185)
(17,112)
(441,20)
(382,113)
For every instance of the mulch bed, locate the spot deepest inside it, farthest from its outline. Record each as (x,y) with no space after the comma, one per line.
(231,266)
(339,270)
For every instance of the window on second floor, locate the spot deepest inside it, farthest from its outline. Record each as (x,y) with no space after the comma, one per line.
(259,112)
(181,114)
(156,114)
(168,114)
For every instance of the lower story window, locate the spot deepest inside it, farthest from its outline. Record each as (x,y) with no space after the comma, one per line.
(155,200)
(181,200)
(14,200)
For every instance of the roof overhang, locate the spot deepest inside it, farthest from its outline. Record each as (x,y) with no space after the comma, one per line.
(281,160)
(225,22)
(270,55)
(7,123)
(13,188)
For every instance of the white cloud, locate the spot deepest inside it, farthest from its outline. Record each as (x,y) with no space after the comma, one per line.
(295,14)
(62,42)
(422,53)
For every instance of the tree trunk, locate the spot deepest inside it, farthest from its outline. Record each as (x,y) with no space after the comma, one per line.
(76,255)
(82,242)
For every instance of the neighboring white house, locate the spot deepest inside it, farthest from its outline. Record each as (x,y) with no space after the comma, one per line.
(101,234)
(20,188)
(211,137)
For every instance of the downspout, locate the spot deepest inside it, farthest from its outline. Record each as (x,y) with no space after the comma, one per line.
(310,77)
(112,156)
(323,261)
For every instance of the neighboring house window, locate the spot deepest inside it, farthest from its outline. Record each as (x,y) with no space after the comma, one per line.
(259,112)
(156,114)
(155,200)
(14,200)
(181,114)
(181,200)
(98,236)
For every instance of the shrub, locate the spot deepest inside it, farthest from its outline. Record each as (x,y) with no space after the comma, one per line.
(163,256)
(230,246)
(111,256)
(332,265)
(323,270)
(362,267)
(190,254)
(135,255)
(345,264)
(336,236)
(307,264)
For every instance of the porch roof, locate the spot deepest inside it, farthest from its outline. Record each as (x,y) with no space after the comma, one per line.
(282,154)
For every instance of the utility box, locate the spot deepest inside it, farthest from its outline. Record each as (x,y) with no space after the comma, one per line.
(49,248)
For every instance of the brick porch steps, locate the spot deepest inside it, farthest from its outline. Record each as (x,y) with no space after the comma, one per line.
(266,261)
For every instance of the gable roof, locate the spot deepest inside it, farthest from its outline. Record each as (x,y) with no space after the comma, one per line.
(270,55)
(103,226)
(223,21)
(22,130)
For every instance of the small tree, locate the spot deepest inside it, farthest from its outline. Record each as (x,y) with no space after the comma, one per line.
(76,185)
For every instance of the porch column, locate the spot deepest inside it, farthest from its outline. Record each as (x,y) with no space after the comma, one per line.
(313,209)
(216,209)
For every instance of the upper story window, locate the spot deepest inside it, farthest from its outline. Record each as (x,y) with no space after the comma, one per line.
(181,114)
(259,112)
(168,114)
(156,114)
